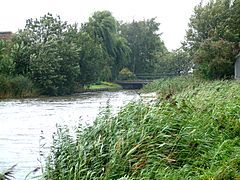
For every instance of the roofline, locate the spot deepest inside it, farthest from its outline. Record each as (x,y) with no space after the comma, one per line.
(5,32)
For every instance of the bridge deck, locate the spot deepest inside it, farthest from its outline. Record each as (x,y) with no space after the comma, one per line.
(133,84)
(143,79)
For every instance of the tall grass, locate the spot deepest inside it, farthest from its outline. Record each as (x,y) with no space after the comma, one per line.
(18,86)
(194,134)
(172,85)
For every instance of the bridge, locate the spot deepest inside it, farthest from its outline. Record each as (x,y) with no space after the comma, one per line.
(141,80)
(133,84)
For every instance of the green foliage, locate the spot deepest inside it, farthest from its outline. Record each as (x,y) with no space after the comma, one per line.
(17,86)
(173,63)
(46,52)
(213,38)
(104,86)
(58,57)
(215,59)
(145,43)
(92,60)
(11,85)
(167,87)
(126,74)
(102,28)
(6,62)
(192,135)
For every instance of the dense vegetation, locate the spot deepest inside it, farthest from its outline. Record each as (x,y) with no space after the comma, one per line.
(149,54)
(12,84)
(213,38)
(191,133)
(55,57)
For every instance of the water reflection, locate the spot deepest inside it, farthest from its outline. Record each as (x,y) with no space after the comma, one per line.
(21,123)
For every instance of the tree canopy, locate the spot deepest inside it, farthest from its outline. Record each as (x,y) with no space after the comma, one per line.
(46,52)
(145,42)
(213,38)
(103,29)
(58,56)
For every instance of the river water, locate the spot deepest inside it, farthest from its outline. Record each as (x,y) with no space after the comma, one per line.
(23,121)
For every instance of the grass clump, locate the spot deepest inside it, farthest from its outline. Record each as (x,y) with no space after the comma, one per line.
(18,86)
(194,134)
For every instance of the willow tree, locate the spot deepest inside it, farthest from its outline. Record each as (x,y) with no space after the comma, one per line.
(103,28)
(92,60)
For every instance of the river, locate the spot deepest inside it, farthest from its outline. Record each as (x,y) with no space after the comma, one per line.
(23,121)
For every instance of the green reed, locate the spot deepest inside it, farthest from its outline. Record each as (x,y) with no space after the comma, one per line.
(193,134)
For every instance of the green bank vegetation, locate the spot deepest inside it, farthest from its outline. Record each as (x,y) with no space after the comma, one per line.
(170,86)
(191,132)
(103,86)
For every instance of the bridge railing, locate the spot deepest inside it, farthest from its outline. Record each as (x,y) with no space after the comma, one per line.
(155,76)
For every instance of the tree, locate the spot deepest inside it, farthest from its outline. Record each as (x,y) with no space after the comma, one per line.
(213,38)
(173,63)
(215,59)
(145,42)
(102,27)
(6,62)
(46,51)
(91,60)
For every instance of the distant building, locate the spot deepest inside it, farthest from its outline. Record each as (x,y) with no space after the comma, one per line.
(237,67)
(5,35)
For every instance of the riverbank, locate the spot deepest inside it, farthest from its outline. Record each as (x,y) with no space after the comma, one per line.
(191,131)
(102,86)
(23,88)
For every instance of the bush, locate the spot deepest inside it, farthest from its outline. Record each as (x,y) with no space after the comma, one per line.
(4,86)
(18,86)
(126,74)
(21,86)
(6,62)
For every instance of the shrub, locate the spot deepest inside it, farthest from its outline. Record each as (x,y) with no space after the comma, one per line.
(4,85)
(18,86)
(126,74)
(21,86)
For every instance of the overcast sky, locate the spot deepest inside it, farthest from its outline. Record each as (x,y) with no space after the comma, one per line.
(172,14)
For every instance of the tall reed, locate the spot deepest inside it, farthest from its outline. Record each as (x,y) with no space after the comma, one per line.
(194,134)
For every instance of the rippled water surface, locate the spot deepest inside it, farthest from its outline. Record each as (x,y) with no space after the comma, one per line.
(23,121)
